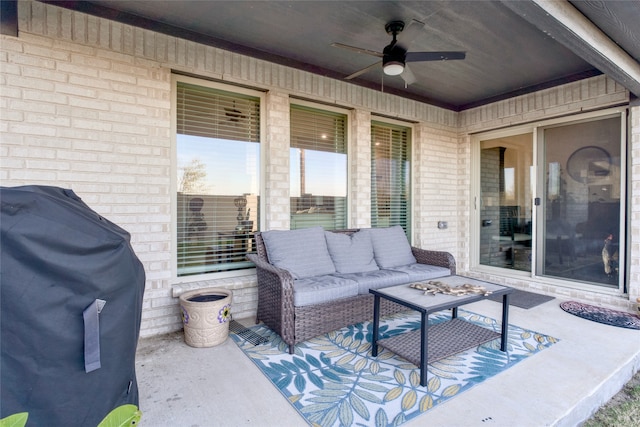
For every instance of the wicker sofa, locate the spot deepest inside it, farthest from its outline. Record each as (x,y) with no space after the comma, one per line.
(312,281)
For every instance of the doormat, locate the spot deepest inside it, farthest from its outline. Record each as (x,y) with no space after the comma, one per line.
(621,319)
(332,380)
(523,299)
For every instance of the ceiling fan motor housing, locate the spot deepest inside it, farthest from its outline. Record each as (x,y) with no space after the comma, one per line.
(393,53)
(393,60)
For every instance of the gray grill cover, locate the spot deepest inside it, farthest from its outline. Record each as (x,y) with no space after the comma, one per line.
(58,257)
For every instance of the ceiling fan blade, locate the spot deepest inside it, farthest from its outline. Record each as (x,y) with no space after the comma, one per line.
(364,70)
(358,49)
(434,56)
(408,76)
(410,33)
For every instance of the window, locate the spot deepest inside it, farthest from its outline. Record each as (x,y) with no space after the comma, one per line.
(218,170)
(390,176)
(318,168)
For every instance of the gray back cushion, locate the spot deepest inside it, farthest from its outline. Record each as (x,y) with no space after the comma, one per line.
(391,247)
(302,252)
(351,254)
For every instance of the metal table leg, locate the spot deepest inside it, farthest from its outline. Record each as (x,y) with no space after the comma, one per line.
(376,323)
(505,322)
(424,357)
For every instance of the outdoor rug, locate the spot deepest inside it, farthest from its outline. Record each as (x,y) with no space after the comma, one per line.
(523,299)
(332,380)
(621,319)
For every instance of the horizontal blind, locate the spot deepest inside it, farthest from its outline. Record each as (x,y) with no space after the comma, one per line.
(203,111)
(217,130)
(318,180)
(390,176)
(318,130)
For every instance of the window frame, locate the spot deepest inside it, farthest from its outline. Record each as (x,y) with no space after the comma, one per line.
(348,120)
(397,124)
(241,90)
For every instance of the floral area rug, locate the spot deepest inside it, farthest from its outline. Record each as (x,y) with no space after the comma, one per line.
(332,380)
(603,315)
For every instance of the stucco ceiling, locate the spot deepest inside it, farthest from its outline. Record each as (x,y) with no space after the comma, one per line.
(512,47)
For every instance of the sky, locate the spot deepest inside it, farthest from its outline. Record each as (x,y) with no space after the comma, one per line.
(233,167)
(223,159)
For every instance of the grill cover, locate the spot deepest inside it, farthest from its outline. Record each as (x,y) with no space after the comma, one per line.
(58,259)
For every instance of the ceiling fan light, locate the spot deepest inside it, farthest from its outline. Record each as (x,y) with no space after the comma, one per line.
(393,68)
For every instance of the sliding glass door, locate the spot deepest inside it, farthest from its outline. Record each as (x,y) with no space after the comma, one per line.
(549,200)
(581,186)
(505,201)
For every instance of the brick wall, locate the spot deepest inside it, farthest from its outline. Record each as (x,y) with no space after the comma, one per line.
(277,161)
(86,104)
(436,189)
(360,173)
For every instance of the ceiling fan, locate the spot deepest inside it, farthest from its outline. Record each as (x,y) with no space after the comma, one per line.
(233,114)
(395,55)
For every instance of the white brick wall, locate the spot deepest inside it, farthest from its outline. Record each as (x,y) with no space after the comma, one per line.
(86,104)
(277,160)
(435,189)
(360,173)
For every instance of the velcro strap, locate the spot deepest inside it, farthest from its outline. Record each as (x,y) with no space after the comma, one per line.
(92,335)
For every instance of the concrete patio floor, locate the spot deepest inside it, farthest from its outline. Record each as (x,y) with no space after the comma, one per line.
(561,386)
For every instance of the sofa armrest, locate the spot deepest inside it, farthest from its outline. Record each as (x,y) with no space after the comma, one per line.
(275,297)
(438,258)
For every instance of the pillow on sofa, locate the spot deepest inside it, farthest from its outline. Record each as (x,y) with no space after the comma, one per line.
(303,252)
(351,254)
(391,247)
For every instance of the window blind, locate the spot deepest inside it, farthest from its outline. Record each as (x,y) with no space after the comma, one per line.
(390,176)
(217,147)
(208,112)
(318,130)
(318,168)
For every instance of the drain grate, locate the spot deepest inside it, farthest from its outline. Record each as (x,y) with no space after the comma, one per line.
(246,334)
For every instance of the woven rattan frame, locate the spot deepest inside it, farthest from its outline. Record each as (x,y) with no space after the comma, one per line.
(296,324)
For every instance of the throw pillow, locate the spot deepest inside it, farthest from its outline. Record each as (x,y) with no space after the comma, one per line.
(391,247)
(351,254)
(302,252)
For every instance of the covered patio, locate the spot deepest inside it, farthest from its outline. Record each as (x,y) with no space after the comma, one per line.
(562,386)
(90,100)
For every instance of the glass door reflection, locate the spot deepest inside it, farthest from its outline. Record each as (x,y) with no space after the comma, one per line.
(580,212)
(505,209)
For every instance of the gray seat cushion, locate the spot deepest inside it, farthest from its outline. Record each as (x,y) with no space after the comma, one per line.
(319,289)
(351,253)
(390,246)
(376,279)
(302,252)
(418,272)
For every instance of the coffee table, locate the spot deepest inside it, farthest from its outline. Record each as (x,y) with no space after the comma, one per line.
(457,334)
